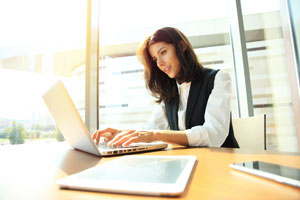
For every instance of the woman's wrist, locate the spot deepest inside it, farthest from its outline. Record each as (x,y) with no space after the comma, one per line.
(169,136)
(156,136)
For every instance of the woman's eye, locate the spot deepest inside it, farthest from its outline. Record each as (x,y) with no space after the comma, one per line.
(163,52)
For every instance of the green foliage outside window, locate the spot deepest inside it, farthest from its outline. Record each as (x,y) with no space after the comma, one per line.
(16,133)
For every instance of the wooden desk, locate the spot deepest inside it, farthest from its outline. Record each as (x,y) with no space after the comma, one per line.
(30,172)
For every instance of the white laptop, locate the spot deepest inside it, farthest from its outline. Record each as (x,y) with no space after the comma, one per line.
(72,127)
(135,174)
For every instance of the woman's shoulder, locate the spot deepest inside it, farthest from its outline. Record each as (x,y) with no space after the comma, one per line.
(222,75)
(213,76)
(215,73)
(207,73)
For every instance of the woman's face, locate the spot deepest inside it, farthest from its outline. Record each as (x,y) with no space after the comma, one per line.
(165,57)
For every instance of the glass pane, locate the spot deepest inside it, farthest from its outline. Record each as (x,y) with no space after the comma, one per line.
(268,72)
(40,42)
(124,102)
(294,5)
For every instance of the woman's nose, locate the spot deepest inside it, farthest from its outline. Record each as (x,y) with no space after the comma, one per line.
(160,62)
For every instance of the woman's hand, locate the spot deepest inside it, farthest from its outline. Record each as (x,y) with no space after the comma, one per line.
(115,137)
(108,133)
(125,138)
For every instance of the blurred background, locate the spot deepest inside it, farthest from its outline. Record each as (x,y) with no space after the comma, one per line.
(42,41)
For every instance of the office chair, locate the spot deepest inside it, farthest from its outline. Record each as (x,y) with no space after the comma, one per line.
(250,132)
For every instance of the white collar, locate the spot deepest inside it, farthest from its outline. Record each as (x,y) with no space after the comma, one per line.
(183,86)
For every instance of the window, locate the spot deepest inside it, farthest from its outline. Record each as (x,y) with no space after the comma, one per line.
(124,101)
(268,72)
(40,42)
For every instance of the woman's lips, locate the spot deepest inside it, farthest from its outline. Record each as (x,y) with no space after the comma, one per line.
(167,69)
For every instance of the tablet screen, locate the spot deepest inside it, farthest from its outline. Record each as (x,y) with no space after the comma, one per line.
(138,169)
(279,170)
(283,174)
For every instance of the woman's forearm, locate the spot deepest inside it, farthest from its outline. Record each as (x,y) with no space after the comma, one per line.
(174,137)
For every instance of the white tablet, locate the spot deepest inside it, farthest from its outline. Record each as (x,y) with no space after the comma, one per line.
(142,175)
(282,174)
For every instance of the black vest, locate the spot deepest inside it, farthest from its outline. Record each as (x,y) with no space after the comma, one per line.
(197,100)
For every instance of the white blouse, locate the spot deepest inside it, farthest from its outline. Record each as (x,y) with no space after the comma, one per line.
(217,114)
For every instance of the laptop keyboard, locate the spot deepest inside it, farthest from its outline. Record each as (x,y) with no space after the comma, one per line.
(103,145)
(134,147)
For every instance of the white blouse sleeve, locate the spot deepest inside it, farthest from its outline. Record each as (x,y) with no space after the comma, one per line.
(158,119)
(217,115)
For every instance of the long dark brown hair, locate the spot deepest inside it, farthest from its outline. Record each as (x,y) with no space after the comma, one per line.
(161,86)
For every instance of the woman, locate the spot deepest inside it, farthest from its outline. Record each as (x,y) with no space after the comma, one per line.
(193,102)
